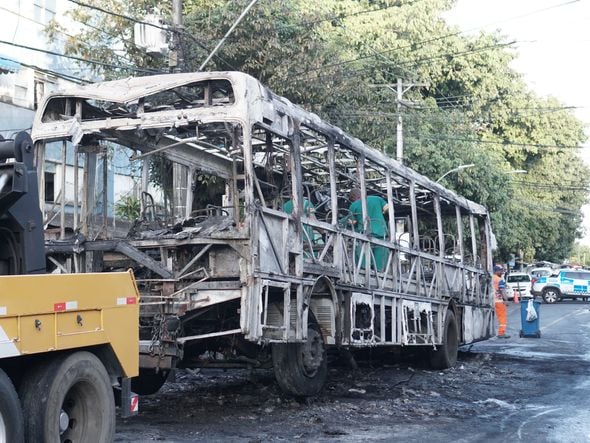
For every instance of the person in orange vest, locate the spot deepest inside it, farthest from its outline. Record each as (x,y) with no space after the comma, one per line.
(500,300)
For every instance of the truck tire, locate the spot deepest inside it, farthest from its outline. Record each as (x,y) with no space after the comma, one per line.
(301,369)
(69,398)
(445,355)
(11,416)
(148,381)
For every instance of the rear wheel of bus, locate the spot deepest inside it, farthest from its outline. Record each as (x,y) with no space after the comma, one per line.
(301,369)
(445,355)
(69,398)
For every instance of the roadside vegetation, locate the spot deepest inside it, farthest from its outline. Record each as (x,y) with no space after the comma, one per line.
(342,59)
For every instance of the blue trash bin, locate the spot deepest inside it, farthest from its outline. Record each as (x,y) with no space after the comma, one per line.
(530,328)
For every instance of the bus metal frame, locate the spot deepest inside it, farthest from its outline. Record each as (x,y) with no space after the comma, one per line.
(244,270)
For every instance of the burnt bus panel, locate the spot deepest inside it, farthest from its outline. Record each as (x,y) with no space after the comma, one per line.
(224,263)
(242,267)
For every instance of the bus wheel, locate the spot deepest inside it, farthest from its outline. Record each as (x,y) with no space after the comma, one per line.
(149,381)
(69,399)
(445,355)
(11,417)
(301,369)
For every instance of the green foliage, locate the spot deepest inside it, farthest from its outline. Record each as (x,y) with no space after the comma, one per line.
(108,38)
(580,255)
(128,208)
(338,58)
(161,174)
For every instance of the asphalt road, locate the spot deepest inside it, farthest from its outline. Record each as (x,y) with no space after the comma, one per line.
(514,390)
(561,411)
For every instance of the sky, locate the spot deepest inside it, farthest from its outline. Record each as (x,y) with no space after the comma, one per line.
(553,46)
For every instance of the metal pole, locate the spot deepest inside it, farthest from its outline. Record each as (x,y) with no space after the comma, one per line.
(62,203)
(176,59)
(179,178)
(222,41)
(105,201)
(177,12)
(400,134)
(457,169)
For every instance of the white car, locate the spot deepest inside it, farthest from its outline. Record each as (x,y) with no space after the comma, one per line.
(568,283)
(520,282)
(541,272)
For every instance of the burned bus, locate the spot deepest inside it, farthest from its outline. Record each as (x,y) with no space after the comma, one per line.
(241,242)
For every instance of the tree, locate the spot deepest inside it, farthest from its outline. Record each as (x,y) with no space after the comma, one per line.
(580,255)
(329,56)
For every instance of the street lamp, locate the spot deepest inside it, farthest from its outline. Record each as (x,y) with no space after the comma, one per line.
(457,169)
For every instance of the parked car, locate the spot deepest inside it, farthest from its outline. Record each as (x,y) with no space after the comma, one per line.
(537,273)
(520,282)
(541,272)
(567,283)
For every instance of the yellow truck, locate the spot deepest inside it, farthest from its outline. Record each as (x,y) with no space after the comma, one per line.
(68,343)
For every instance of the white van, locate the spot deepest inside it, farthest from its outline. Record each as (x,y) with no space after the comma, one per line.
(520,282)
(541,272)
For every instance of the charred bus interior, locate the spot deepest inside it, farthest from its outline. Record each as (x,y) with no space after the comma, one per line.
(242,234)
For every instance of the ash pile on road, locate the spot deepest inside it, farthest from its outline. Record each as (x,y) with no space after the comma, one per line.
(373,402)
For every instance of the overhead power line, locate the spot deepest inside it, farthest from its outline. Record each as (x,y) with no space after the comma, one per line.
(558,187)
(61,75)
(300,24)
(116,14)
(417,62)
(415,44)
(134,20)
(332,18)
(503,143)
(60,31)
(80,59)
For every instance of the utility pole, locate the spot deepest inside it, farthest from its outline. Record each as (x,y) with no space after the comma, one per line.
(400,88)
(176,57)
(399,145)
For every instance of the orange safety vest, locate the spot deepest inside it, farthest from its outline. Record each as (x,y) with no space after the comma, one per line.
(499,286)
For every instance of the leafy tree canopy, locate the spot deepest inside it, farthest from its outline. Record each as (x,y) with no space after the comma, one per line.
(341,58)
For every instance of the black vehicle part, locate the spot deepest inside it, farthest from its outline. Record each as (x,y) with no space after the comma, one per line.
(301,369)
(69,398)
(11,416)
(445,355)
(21,222)
(148,381)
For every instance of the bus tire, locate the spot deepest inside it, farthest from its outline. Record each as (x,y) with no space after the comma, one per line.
(148,381)
(69,398)
(301,369)
(11,416)
(445,356)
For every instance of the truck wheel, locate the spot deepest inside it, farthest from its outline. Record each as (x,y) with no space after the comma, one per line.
(11,417)
(69,399)
(148,382)
(446,353)
(301,368)
(551,295)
